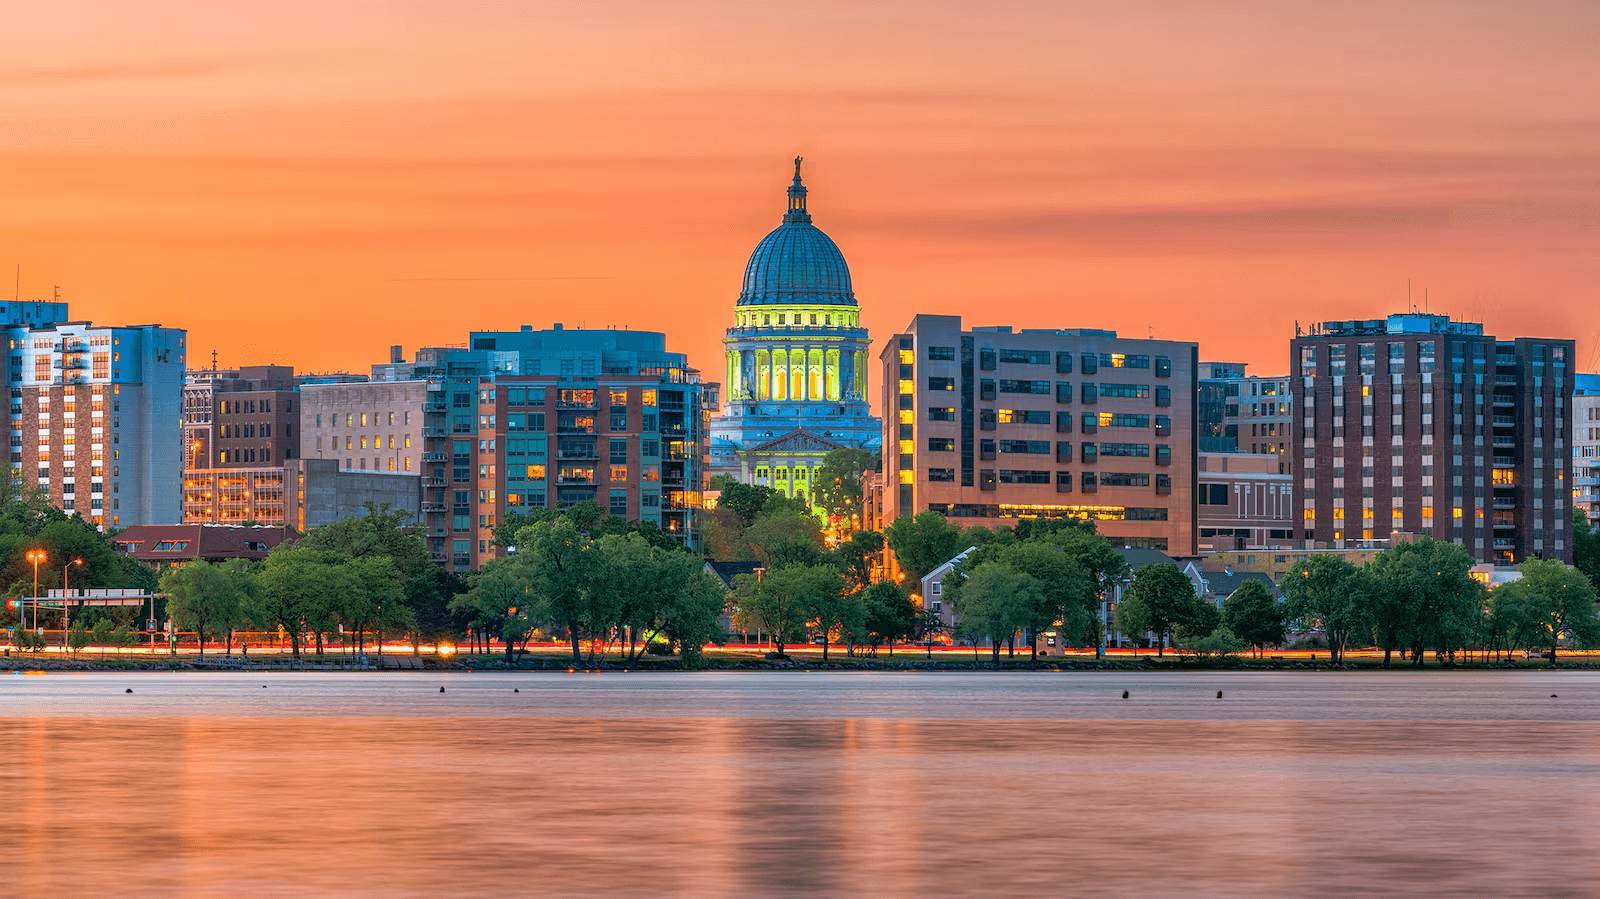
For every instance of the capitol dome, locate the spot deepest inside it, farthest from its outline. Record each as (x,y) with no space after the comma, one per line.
(797,264)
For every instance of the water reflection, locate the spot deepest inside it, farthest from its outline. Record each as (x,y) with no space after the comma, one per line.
(200,786)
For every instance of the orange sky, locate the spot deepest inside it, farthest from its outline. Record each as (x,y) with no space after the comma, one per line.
(307,183)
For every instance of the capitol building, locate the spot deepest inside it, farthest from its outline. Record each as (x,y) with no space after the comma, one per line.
(797,365)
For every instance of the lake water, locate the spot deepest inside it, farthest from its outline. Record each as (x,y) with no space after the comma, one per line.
(791,784)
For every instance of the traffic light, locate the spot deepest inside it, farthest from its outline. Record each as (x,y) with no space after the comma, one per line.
(13,604)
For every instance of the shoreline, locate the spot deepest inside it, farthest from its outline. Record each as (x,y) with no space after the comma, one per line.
(16,666)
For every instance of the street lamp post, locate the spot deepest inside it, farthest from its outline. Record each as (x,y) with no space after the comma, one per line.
(35,556)
(66,592)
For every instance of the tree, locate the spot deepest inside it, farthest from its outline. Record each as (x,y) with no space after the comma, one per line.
(857,558)
(101,634)
(500,597)
(1168,598)
(1317,593)
(1069,590)
(1220,642)
(838,481)
(1132,617)
(995,601)
(1515,618)
(923,543)
(745,500)
(890,614)
(1562,600)
(1417,595)
(785,601)
(204,598)
(77,638)
(1585,546)
(785,532)
(557,558)
(297,588)
(1253,616)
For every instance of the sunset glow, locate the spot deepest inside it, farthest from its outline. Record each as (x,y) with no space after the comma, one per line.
(310,184)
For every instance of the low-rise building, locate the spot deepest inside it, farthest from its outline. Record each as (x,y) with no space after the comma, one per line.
(1246,501)
(318,492)
(164,546)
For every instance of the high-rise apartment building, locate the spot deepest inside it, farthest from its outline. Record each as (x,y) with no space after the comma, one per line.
(990,426)
(1586,445)
(1417,424)
(98,419)
(365,426)
(17,317)
(525,419)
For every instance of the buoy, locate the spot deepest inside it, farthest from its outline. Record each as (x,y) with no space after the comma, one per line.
(515,690)
(129,690)
(263,686)
(1124,694)
(441,689)
(1552,695)
(1219,694)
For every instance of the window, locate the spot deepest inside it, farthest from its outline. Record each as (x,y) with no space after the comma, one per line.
(1038,447)
(1126,391)
(1063,422)
(1037,387)
(1063,451)
(942,444)
(986,360)
(986,419)
(1123,420)
(1025,357)
(1163,367)
(1063,392)
(941,384)
(1020,476)
(1090,363)
(1213,494)
(1141,450)
(941,413)
(1063,482)
(941,354)
(1090,394)
(1024,417)
(986,389)
(1163,454)
(1088,454)
(1163,426)
(941,474)
(1163,396)
(1064,363)
(1091,422)
(1122,360)
(1088,483)
(1124,479)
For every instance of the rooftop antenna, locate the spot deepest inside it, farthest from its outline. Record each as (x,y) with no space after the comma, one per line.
(213,362)
(57,297)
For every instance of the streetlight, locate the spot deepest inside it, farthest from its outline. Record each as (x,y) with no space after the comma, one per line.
(35,556)
(66,592)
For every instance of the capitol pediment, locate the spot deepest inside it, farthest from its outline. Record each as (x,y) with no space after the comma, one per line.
(796,441)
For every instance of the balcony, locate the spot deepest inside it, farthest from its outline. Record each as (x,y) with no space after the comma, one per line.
(1505,442)
(433,482)
(1505,380)
(435,457)
(434,406)
(431,431)
(578,455)
(1504,543)
(433,507)
(70,362)
(1505,399)
(1505,421)
(575,480)
(1505,461)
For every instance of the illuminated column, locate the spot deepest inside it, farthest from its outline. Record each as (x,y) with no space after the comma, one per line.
(733,369)
(831,373)
(763,375)
(814,380)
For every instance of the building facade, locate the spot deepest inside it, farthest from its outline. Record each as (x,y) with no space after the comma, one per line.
(997,425)
(366,426)
(1417,424)
(527,419)
(797,361)
(240,418)
(1242,413)
(1586,445)
(1245,502)
(99,411)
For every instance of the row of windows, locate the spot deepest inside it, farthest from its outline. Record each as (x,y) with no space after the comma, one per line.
(351,419)
(1089,363)
(989,419)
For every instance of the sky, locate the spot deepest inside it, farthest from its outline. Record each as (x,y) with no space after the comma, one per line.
(308,183)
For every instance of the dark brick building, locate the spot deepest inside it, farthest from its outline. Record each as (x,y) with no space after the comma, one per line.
(1417,424)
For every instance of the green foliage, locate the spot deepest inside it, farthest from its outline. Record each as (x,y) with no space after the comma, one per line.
(1416,595)
(1220,642)
(858,557)
(1168,601)
(1324,591)
(838,481)
(1253,616)
(923,543)
(207,599)
(786,601)
(1561,599)
(888,613)
(745,500)
(77,638)
(996,602)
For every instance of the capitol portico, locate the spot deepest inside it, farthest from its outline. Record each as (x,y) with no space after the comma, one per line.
(796,361)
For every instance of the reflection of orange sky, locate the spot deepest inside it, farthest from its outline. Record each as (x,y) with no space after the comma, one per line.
(314,184)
